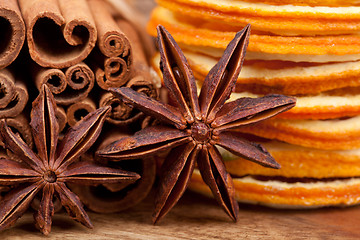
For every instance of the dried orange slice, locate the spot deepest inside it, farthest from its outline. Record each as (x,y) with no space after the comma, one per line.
(321,106)
(342,192)
(298,162)
(328,3)
(278,19)
(328,105)
(324,107)
(277,47)
(288,78)
(336,134)
(264,56)
(315,107)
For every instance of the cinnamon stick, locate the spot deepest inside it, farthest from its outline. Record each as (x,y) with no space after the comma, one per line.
(78,110)
(111,71)
(112,42)
(7,87)
(117,197)
(141,81)
(121,114)
(140,65)
(54,78)
(61,117)
(127,12)
(80,79)
(12,28)
(15,95)
(60,33)
(142,85)
(20,125)
(68,86)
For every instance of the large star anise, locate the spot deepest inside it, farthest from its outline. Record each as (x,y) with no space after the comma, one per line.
(52,166)
(200,124)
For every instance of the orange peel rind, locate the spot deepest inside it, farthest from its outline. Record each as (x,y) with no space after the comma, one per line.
(327,3)
(287,78)
(319,106)
(279,194)
(284,19)
(198,36)
(298,162)
(335,134)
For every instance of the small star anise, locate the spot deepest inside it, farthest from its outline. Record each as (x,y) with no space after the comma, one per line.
(200,124)
(52,166)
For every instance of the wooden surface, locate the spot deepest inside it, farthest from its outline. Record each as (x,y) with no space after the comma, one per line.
(198,217)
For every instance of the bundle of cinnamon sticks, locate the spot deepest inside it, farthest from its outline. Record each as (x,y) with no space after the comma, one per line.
(79,49)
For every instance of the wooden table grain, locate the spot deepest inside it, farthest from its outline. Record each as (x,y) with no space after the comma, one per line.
(199,217)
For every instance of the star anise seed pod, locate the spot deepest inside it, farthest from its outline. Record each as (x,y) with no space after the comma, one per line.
(198,124)
(52,166)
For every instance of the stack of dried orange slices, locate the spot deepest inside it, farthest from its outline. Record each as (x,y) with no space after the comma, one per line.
(306,48)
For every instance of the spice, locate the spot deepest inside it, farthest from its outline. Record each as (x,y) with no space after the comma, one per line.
(110,198)
(15,94)
(60,33)
(121,113)
(61,117)
(77,111)
(52,166)
(140,81)
(68,85)
(110,71)
(112,41)
(12,32)
(200,124)
(20,125)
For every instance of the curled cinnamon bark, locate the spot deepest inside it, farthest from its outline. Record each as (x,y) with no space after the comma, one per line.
(139,66)
(120,112)
(102,199)
(7,87)
(127,11)
(20,125)
(143,85)
(80,79)
(68,87)
(78,110)
(54,78)
(60,33)
(112,42)
(12,30)
(141,81)
(115,71)
(110,198)
(114,55)
(13,95)
(61,117)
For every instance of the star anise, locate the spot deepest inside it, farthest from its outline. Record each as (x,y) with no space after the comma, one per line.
(199,123)
(52,166)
